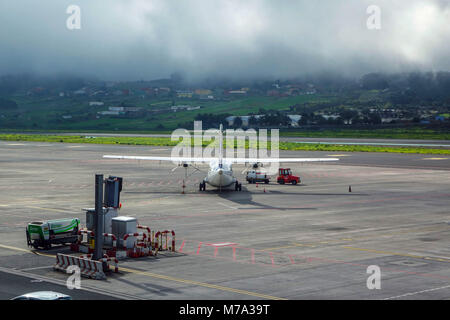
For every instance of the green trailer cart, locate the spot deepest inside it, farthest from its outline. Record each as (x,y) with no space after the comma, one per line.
(45,233)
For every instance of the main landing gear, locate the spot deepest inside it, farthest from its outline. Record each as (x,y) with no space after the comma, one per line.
(202,186)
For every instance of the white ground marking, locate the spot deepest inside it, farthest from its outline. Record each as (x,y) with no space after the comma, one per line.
(63,283)
(225,205)
(417,292)
(37,268)
(223,244)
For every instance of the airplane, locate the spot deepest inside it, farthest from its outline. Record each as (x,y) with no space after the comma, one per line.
(220,174)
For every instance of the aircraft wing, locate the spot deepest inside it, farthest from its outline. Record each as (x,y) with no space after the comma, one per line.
(172,159)
(232,160)
(278,160)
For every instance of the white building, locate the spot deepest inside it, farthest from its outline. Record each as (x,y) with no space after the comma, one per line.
(109,113)
(118,109)
(333,116)
(80,92)
(294,119)
(184,107)
(96,103)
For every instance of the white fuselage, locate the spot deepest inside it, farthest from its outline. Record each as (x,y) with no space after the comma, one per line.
(220,175)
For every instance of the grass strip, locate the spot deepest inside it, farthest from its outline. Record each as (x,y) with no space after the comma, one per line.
(166,142)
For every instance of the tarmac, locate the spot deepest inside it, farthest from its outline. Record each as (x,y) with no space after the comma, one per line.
(315,240)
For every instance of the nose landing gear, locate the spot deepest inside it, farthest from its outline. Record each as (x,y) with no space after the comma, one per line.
(238,186)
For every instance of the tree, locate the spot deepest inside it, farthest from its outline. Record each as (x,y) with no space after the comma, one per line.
(304,119)
(276,119)
(252,121)
(374,118)
(237,123)
(212,120)
(347,115)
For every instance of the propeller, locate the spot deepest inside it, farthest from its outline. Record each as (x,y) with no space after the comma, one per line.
(196,169)
(185,166)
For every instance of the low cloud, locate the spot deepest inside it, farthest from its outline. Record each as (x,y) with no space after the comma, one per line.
(148,39)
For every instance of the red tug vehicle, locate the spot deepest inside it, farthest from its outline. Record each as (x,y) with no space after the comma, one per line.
(285,176)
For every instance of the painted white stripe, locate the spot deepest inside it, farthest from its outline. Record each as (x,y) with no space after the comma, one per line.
(222,244)
(36,268)
(225,205)
(417,292)
(85,287)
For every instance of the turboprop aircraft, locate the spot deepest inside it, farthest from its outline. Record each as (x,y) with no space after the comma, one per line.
(220,174)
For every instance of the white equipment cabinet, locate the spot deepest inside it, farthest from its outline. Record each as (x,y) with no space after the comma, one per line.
(124,225)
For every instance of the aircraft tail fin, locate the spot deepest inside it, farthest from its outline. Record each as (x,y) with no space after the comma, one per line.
(221,144)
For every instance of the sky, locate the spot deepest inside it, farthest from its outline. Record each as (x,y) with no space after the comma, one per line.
(150,39)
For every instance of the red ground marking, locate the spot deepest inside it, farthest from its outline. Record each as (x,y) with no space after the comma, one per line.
(180,249)
(290,258)
(307,259)
(311,205)
(199,247)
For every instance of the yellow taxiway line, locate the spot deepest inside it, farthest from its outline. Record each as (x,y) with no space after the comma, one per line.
(200,284)
(435,159)
(27,251)
(14,248)
(50,209)
(168,278)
